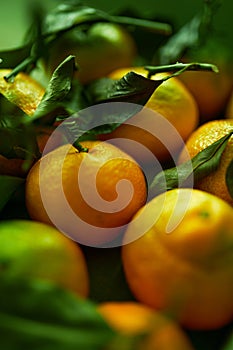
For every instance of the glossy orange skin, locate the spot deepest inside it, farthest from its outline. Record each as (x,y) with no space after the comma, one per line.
(182,262)
(100,169)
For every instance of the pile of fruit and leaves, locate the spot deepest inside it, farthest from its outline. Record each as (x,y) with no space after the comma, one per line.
(116,183)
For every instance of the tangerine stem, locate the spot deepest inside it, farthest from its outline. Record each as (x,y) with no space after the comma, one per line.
(79,147)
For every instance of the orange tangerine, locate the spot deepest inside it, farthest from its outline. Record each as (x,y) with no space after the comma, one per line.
(203,137)
(89,183)
(182,262)
(133,318)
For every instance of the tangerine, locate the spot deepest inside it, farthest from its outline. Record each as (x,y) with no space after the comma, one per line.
(177,257)
(203,137)
(133,318)
(89,195)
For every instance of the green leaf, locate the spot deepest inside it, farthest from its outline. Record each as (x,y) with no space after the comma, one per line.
(38,315)
(11,58)
(201,165)
(132,88)
(229,178)
(58,88)
(68,16)
(228,344)
(129,94)
(97,119)
(17,140)
(75,100)
(8,186)
(42,34)
(178,43)
(194,34)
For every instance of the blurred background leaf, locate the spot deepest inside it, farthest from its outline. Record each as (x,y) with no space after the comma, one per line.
(14,15)
(44,316)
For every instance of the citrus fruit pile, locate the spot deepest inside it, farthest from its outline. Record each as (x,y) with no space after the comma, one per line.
(116,189)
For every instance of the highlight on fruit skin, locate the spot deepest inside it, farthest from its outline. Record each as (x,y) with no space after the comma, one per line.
(182,262)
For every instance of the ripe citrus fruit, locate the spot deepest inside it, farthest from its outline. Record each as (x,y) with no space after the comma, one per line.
(100,49)
(30,249)
(102,189)
(203,137)
(133,318)
(24,91)
(182,263)
(174,103)
(210,90)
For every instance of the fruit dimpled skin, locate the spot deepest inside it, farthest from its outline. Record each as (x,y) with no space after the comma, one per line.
(102,189)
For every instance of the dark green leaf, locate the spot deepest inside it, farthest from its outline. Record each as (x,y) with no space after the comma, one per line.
(97,119)
(132,88)
(63,18)
(10,137)
(8,185)
(38,315)
(17,140)
(76,99)
(67,16)
(201,165)
(11,58)
(229,178)
(207,161)
(58,88)
(193,34)
(111,103)
(228,344)
(178,43)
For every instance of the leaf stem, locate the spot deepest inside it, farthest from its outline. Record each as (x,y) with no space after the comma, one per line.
(29,61)
(157,27)
(179,68)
